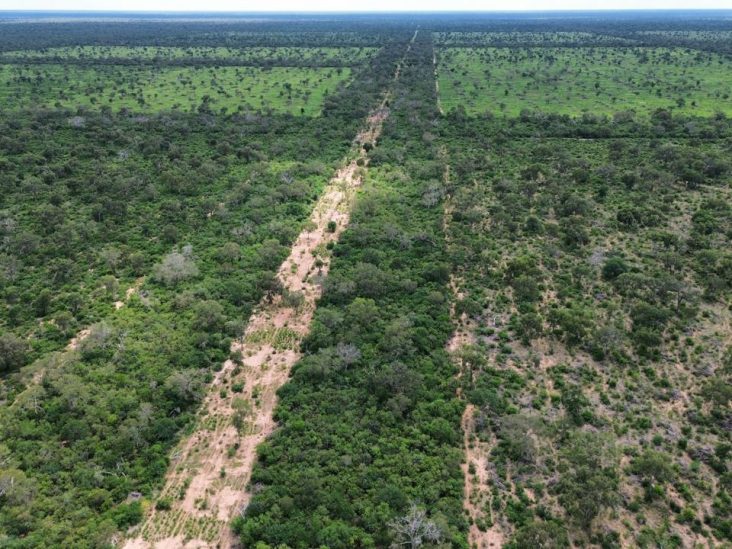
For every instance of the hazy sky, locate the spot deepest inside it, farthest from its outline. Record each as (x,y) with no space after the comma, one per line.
(341,5)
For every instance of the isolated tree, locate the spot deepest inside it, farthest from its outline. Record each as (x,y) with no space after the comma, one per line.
(613,268)
(414,529)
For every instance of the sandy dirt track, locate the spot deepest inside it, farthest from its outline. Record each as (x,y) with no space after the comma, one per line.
(207,484)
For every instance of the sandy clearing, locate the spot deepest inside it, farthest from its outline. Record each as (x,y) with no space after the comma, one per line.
(84,333)
(207,483)
(75,341)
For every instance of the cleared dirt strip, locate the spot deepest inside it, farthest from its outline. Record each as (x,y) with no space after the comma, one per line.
(206,485)
(477,482)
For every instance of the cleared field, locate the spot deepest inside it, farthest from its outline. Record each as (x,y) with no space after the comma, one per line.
(704,35)
(578,80)
(322,56)
(282,89)
(524,38)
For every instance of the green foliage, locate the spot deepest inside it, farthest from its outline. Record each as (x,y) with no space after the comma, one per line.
(154,175)
(589,481)
(384,430)
(540,534)
(112,194)
(13,353)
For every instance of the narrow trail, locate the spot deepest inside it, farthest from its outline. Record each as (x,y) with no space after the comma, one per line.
(437,83)
(207,483)
(36,374)
(477,483)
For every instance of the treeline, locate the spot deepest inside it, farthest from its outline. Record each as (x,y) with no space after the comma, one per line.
(622,23)
(369,430)
(264,62)
(661,123)
(621,29)
(232,33)
(612,38)
(708,41)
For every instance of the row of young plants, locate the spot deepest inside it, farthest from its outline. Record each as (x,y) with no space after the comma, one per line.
(369,425)
(196,213)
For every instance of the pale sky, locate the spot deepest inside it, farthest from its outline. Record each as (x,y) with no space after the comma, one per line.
(370,5)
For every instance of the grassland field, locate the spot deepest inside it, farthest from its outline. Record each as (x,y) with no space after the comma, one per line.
(282,89)
(578,80)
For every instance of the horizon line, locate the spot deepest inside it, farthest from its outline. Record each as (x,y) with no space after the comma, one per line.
(279,12)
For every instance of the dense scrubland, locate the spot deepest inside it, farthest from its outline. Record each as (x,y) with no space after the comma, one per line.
(525,335)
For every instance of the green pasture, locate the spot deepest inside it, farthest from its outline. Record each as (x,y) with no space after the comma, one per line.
(282,89)
(579,80)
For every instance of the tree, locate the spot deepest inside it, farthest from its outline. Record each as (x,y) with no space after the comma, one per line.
(111,257)
(110,285)
(525,289)
(517,437)
(575,403)
(184,386)
(13,352)
(605,341)
(348,353)
(208,316)
(231,251)
(613,268)
(540,535)
(414,529)
(653,467)
(174,268)
(589,477)
(42,303)
(15,487)
(574,322)
(97,342)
